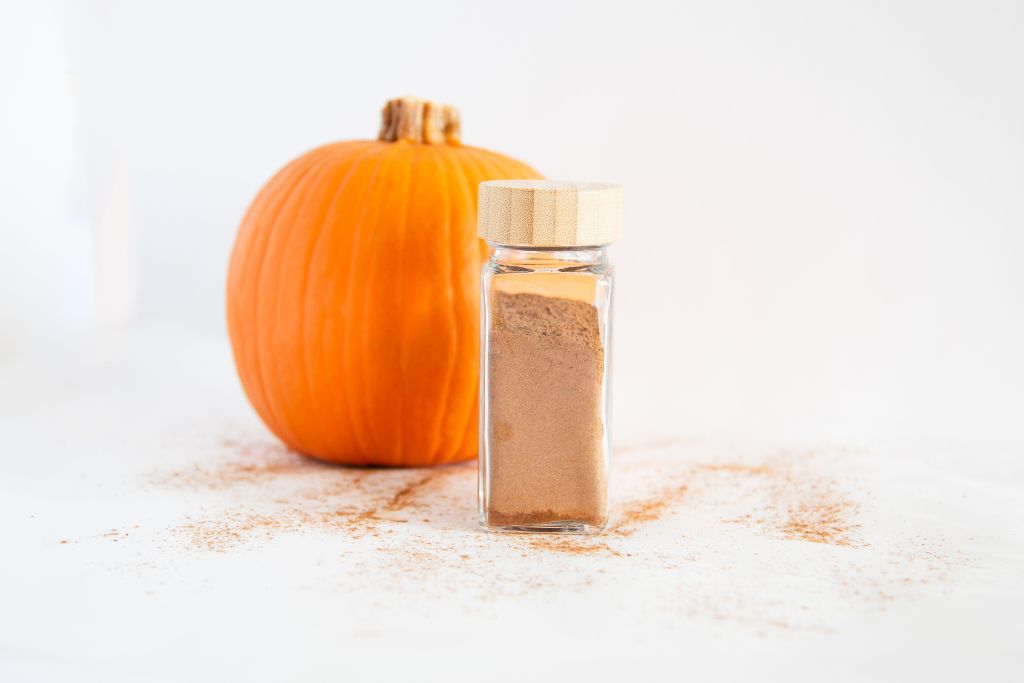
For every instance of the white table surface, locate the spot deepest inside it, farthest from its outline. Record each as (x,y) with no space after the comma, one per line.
(154,530)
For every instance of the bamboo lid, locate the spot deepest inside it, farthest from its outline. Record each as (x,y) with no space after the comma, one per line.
(549,213)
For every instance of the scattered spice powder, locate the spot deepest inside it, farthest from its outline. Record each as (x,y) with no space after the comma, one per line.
(327,499)
(252,462)
(265,492)
(572,546)
(647,510)
(821,521)
(803,505)
(406,495)
(800,505)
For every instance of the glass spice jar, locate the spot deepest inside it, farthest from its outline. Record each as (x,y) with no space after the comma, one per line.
(545,393)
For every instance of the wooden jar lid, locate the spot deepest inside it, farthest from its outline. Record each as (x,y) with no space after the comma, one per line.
(549,213)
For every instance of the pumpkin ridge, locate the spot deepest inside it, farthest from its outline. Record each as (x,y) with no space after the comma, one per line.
(270,298)
(337,174)
(339,403)
(418,351)
(265,231)
(301,410)
(456,453)
(367,223)
(238,272)
(356,193)
(400,288)
(452,296)
(399,271)
(387,424)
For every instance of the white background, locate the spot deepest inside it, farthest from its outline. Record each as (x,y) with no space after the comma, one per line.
(825,214)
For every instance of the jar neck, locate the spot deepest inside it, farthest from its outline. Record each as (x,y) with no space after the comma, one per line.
(547,257)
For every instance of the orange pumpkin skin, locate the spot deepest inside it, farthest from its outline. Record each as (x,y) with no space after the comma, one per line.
(353,303)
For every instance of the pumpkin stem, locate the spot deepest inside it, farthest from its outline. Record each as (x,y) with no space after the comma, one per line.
(416,120)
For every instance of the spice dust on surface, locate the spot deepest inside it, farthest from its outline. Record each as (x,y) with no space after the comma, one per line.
(704,522)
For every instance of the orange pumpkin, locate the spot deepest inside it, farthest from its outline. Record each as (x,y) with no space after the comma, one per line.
(352,296)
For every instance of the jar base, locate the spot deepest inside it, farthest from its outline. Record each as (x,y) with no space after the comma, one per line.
(559,527)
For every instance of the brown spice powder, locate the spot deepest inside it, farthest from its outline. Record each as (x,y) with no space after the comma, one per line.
(572,547)
(648,510)
(685,512)
(308,496)
(801,504)
(546,368)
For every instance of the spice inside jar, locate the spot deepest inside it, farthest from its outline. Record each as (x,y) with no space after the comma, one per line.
(545,389)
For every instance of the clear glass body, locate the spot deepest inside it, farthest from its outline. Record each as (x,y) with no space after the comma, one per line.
(545,390)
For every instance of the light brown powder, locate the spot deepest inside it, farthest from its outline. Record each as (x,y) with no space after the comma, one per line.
(546,368)
(310,496)
(687,514)
(254,462)
(572,546)
(647,510)
(802,505)
(822,515)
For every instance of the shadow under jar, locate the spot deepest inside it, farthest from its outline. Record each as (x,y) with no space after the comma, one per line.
(545,394)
